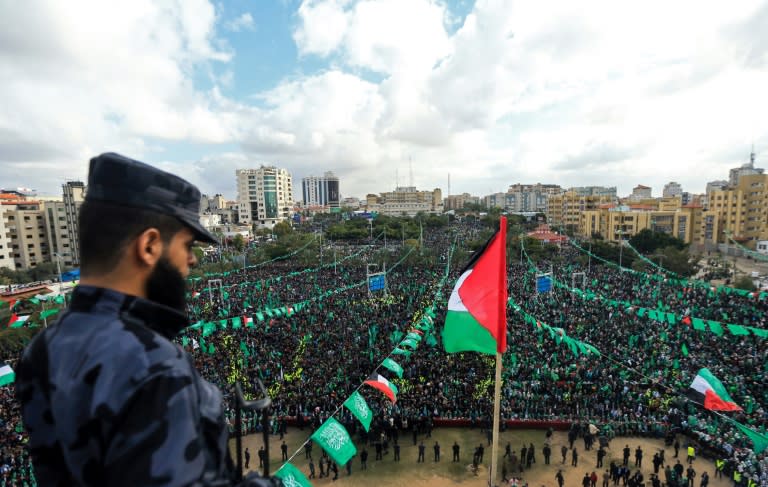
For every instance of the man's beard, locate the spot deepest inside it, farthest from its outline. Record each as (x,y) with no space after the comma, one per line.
(166,285)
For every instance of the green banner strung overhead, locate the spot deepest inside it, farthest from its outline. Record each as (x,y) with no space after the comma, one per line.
(359,408)
(334,439)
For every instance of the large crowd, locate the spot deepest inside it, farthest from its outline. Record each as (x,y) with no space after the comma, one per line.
(311,359)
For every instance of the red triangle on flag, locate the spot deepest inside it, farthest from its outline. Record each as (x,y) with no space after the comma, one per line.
(14,319)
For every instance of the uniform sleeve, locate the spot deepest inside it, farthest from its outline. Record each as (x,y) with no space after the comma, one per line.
(157,439)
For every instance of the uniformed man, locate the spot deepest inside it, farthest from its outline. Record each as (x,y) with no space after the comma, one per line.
(106,396)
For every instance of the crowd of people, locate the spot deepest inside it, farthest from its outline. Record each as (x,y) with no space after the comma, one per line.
(312,359)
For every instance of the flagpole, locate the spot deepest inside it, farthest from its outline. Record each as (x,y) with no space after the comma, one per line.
(496,418)
(501,345)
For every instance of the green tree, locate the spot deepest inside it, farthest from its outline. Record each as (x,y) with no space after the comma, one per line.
(282,228)
(679,261)
(647,241)
(238,242)
(745,283)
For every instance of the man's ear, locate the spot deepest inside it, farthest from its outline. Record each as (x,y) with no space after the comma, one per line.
(148,247)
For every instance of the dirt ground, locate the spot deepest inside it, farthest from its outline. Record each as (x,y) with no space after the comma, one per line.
(387,473)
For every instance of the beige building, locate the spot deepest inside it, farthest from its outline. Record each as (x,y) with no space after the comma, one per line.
(564,209)
(58,233)
(614,223)
(24,240)
(457,201)
(740,210)
(640,192)
(406,201)
(264,196)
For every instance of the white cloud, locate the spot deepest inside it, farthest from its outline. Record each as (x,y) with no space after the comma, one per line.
(99,76)
(240,23)
(594,92)
(322,28)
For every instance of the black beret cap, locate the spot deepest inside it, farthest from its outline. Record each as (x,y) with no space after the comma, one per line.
(116,179)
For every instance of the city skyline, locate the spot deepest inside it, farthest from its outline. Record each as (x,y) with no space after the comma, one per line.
(492,92)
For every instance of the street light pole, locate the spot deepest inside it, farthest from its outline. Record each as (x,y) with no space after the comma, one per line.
(61,278)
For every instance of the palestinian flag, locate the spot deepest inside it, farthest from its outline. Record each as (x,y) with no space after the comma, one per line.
(706,389)
(7,375)
(378,381)
(248,321)
(477,310)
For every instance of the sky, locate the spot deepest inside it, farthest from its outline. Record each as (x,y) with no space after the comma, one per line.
(381,92)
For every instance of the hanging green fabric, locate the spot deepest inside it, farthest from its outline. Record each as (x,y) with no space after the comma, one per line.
(738,330)
(208,329)
(49,312)
(698,324)
(759,332)
(716,328)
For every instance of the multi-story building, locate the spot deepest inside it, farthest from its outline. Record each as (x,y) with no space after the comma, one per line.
(672,189)
(73,197)
(640,192)
(321,190)
(24,241)
(495,200)
(264,196)
(614,223)
(740,211)
(747,169)
(530,197)
(351,202)
(57,232)
(609,191)
(523,198)
(457,201)
(564,209)
(406,201)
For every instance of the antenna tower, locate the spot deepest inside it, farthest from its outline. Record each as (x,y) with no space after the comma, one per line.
(410,168)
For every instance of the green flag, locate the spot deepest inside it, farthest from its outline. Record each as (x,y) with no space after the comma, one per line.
(413,336)
(357,406)
(208,329)
(716,328)
(759,332)
(738,330)
(292,476)
(411,344)
(236,323)
(393,366)
(48,312)
(684,350)
(760,441)
(334,439)
(400,351)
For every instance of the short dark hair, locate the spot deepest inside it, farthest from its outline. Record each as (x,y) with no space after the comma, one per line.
(105,230)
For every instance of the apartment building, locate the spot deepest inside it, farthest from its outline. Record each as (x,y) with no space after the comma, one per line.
(564,209)
(523,198)
(264,196)
(406,201)
(24,239)
(457,201)
(621,222)
(740,211)
(321,190)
